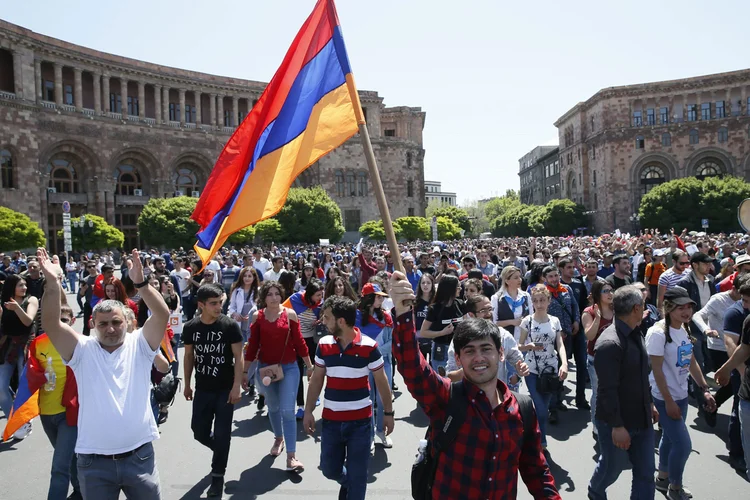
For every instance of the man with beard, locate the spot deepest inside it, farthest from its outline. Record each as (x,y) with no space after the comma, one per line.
(347,410)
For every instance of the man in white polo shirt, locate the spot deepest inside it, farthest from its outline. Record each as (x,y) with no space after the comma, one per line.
(113,370)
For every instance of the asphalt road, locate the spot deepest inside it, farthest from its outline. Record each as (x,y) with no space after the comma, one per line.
(184,465)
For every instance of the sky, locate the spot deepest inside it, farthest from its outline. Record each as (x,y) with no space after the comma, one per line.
(493,76)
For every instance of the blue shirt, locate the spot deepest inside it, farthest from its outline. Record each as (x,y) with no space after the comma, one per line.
(605,271)
(414,278)
(734,317)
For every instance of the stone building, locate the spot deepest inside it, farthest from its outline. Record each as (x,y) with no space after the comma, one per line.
(433,191)
(107,133)
(623,141)
(539,170)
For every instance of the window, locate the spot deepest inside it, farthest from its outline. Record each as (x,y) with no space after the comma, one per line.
(592,124)
(652,176)
(708,168)
(720,111)
(364,113)
(362,184)
(593,151)
(639,142)
(408,159)
(115,103)
(390,132)
(637,118)
(723,134)
(340,190)
(48,90)
(594,178)
(352,220)
(596,202)
(189,113)
(411,212)
(410,188)
(185,179)
(694,136)
(128,180)
(557,167)
(63,176)
(706,111)
(666,139)
(664,115)
(68,94)
(351,184)
(174,112)
(133,108)
(6,170)
(227,118)
(692,110)
(651,116)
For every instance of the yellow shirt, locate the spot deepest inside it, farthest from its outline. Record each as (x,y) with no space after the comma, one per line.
(50,402)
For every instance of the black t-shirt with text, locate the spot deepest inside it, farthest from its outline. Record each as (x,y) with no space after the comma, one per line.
(441,316)
(212,348)
(745,340)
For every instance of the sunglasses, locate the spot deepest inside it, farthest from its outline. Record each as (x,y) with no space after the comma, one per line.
(607,290)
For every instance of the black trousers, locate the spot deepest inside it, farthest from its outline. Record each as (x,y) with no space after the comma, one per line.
(212,411)
(310,341)
(86,319)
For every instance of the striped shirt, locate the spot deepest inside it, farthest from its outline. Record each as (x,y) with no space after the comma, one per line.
(669,278)
(347,393)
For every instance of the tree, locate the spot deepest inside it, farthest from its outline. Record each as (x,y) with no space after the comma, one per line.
(521,220)
(479,221)
(447,229)
(243,236)
(559,217)
(496,207)
(98,235)
(413,228)
(166,222)
(682,203)
(374,230)
(18,231)
(269,230)
(308,215)
(458,215)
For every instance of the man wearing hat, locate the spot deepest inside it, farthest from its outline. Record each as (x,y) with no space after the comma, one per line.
(607,267)
(741,265)
(699,285)
(621,275)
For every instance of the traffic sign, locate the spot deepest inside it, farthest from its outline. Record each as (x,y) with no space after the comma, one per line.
(67,236)
(704,223)
(66,207)
(68,247)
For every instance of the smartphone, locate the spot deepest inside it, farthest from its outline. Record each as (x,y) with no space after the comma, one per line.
(538,344)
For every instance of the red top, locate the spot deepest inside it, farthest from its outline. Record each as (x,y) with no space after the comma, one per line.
(603,323)
(269,337)
(368,270)
(727,283)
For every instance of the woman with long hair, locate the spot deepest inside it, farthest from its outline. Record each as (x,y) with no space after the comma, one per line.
(541,336)
(327,263)
(242,299)
(377,324)
(275,338)
(307,305)
(511,304)
(340,287)
(425,294)
(319,272)
(670,350)
(332,272)
(595,319)
(306,274)
(166,288)
(300,264)
(287,279)
(17,312)
(445,310)
(115,290)
(355,274)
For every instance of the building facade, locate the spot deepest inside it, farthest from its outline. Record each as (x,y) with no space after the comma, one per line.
(433,192)
(619,144)
(539,172)
(107,133)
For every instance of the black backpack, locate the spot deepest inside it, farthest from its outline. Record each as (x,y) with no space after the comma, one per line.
(423,471)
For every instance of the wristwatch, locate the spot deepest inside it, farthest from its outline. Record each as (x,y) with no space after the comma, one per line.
(389,413)
(141,284)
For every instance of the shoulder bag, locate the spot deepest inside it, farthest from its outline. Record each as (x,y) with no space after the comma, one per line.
(549,382)
(275,372)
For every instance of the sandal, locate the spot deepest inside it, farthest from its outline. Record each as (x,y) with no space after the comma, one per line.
(294,465)
(278,447)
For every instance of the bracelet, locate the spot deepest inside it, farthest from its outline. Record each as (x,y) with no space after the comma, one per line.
(141,284)
(389,413)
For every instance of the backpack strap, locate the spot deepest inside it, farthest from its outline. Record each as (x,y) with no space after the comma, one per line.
(526,409)
(454,417)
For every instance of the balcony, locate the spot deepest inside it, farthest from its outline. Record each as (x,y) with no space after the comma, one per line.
(129,200)
(150,121)
(68,108)
(116,116)
(227,130)
(72,198)
(87,111)
(48,104)
(174,124)
(189,125)
(134,118)
(7,95)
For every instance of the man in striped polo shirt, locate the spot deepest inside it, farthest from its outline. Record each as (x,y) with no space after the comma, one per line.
(347,357)
(671,276)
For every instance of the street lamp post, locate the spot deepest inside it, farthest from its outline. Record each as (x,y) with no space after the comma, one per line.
(81,224)
(635,220)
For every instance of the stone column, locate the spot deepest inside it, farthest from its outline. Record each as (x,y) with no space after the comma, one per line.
(197,97)
(743,102)
(141,100)
(18,74)
(165,105)
(220,112)
(182,107)
(58,85)
(124,97)
(235,111)
(78,89)
(698,102)
(728,102)
(684,107)
(105,92)
(38,80)
(670,112)
(157,104)
(212,110)
(97,93)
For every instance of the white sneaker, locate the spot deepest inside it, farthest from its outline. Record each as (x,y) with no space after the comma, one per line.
(372,447)
(23,432)
(384,440)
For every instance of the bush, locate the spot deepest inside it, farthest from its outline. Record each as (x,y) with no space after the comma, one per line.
(269,230)
(166,222)
(98,236)
(447,229)
(374,230)
(18,231)
(309,215)
(413,228)
(243,236)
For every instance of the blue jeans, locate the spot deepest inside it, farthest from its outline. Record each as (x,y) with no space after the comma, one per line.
(72,279)
(377,413)
(435,363)
(744,411)
(62,437)
(104,478)
(675,446)
(280,398)
(541,404)
(594,384)
(345,455)
(613,460)
(6,373)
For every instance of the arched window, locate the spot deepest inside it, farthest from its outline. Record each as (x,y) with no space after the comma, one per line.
(7,179)
(694,136)
(708,168)
(723,134)
(63,176)
(128,179)
(652,176)
(340,187)
(185,179)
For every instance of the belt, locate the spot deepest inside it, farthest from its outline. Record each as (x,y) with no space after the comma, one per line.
(119,456)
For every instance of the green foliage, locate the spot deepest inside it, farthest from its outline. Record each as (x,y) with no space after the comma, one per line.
(100,235)
(18,231)
(458,215)
(448,229)
(496,207)
(559,217)
(269,230)
(413,228)
(374,230)
(521,220)
(682,203)
(479,221)
(309,215)
(166,222)
(243,236)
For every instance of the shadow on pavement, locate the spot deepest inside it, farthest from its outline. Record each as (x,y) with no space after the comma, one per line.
(198,490)
(562,476)
(378,463)
(416,417)
(570,423)
(261,479)
(251,427)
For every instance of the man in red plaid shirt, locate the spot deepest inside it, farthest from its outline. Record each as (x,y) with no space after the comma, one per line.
(484,460)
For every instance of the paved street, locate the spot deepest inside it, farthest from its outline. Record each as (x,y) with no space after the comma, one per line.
(184,464)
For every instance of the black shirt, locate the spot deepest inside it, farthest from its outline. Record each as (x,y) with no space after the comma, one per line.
(428,270)
(618,282)
(745,387)
(212,348)
(441,316)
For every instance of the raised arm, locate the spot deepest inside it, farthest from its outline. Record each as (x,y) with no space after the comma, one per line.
(155,326)
(63,337)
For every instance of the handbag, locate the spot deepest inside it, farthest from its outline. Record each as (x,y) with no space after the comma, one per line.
(275,372)
(548,381)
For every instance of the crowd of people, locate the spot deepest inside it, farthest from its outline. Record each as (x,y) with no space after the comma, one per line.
(642,318)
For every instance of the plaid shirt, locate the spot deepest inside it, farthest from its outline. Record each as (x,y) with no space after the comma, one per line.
(489,451)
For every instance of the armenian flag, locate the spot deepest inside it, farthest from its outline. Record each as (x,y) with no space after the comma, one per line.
(309,108)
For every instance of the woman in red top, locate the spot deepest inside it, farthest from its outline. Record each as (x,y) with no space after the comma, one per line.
(275,337)
(115,290)
(595,319)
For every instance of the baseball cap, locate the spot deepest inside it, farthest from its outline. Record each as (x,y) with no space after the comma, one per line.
(373,288)
(700,257)
(678,295)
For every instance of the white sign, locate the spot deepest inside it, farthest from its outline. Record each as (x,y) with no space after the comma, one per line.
(67,237)
(325,243)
